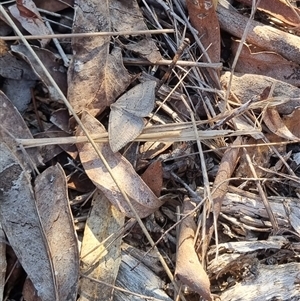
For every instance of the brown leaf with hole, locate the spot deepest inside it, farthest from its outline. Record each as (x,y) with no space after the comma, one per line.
(276,125)
(142,198)
(153,177)
(204,18)
(189,270)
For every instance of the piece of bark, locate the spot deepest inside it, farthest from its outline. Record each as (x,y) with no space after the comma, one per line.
(280,282)
(266,37)
(248,86)
(189,270)
(134,276)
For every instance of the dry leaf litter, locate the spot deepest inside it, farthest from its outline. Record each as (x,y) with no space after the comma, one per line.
(149,150)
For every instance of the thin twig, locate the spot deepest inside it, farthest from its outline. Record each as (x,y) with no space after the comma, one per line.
(89,34)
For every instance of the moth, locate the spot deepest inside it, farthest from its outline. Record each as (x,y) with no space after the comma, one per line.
(126,120)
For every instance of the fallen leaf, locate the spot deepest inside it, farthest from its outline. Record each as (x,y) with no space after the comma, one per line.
(276,125)
(53,65)
(204,18)
(189,270)
(22,225)
(126,120)
(55,213)
(254,60)
(25,11)
(96,76)
(292,122)
(153,177)
(14,68)
(29,292)
(142,198)
(13,126)
(278,9)
(131,12)
(19,92)
(101,249)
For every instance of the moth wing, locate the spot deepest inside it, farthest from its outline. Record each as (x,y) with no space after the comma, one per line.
(123,127)
(139,100)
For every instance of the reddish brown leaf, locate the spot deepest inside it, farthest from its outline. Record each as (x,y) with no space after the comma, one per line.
(292,122)
(153,177)
(203,17)
(54,5)
(276,125)
(254,60)
(279,9)
(26,12)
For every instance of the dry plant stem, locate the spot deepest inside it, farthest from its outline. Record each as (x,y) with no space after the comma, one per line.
(89,34)
(239,50)
(168,40)
(179,52)
(162,62)
(262,194)
(163,262)
(58,46)
(207,192)
(233,113)
(192,193)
